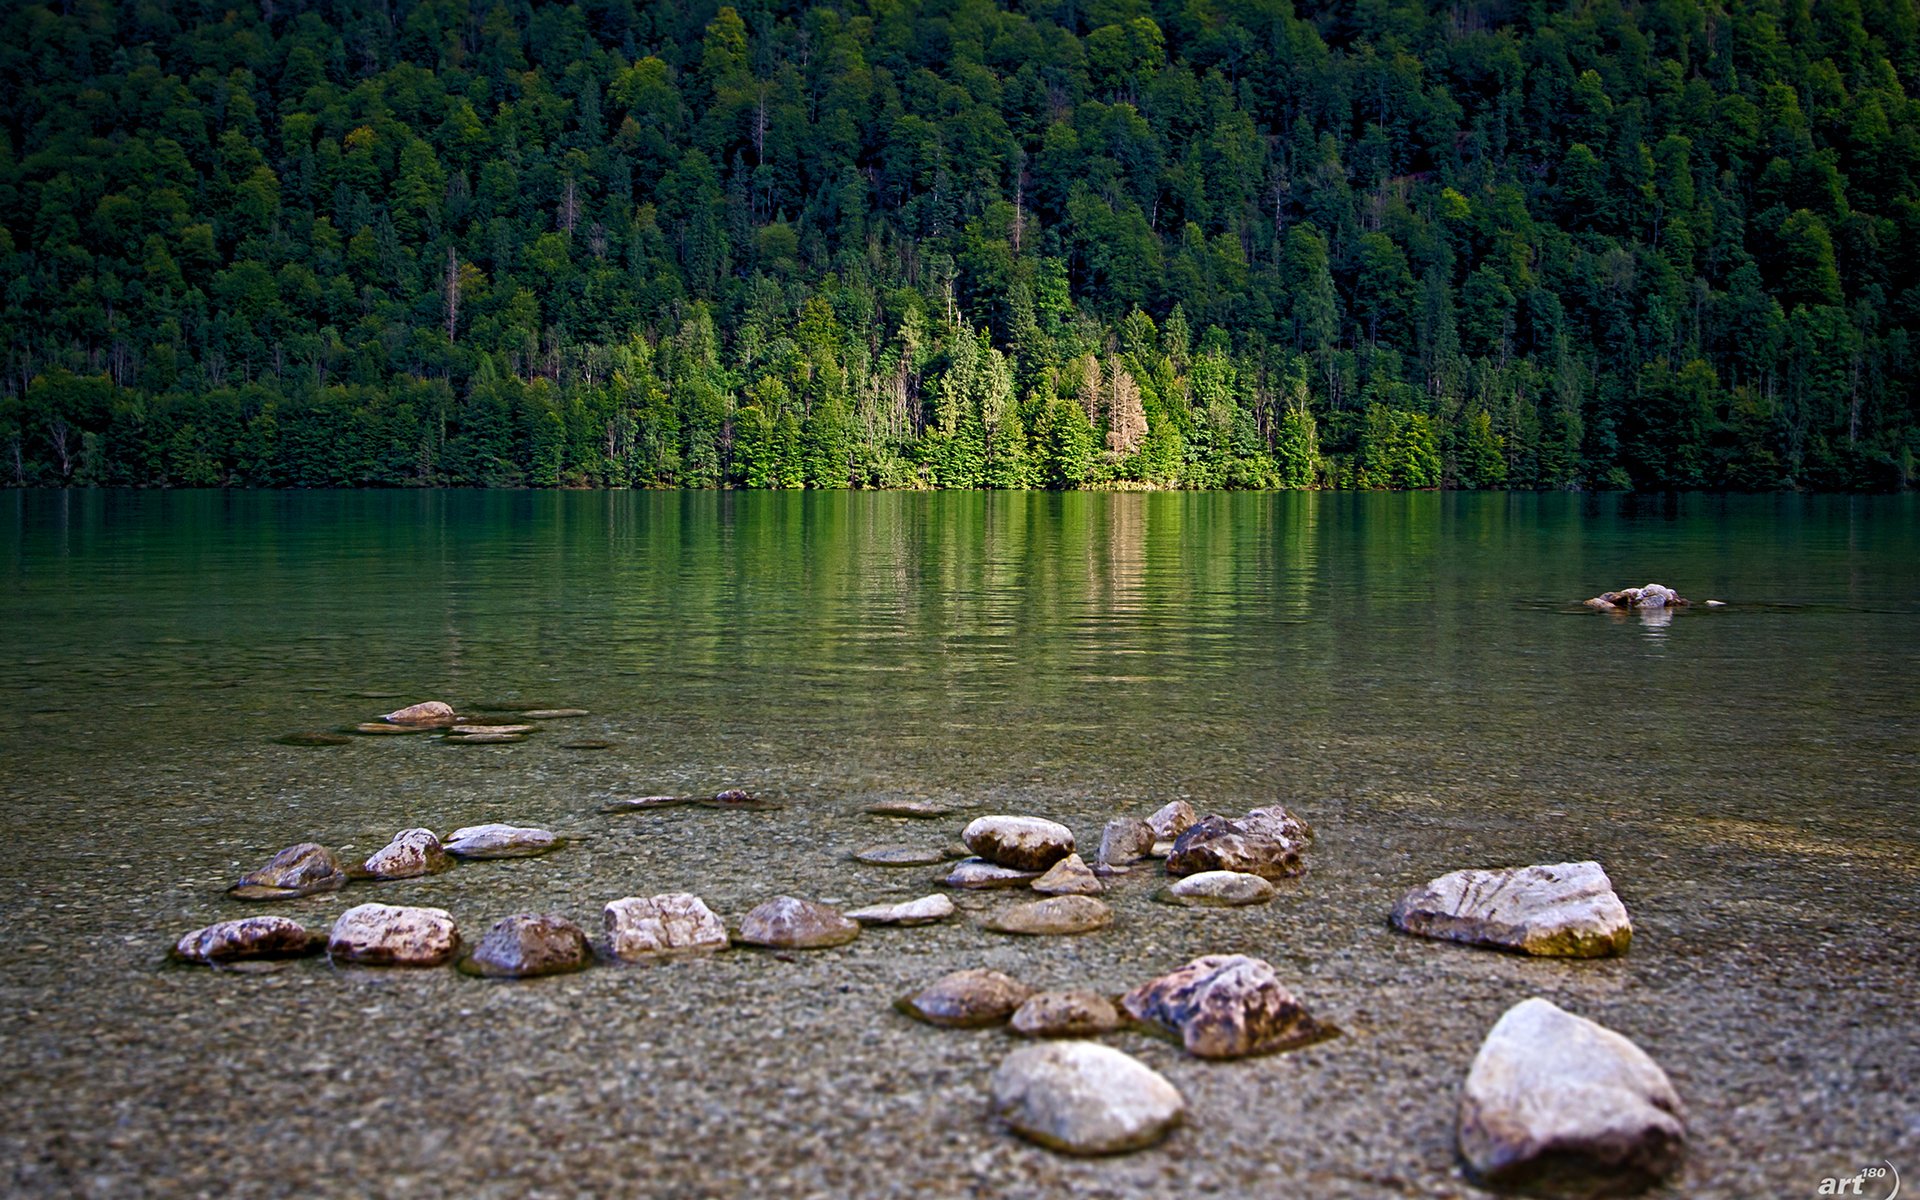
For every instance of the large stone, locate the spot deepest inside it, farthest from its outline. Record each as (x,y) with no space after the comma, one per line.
(1276,822)
(1254,845)
(1172,820)
(501,841)
(301,870)
(1557,1103)
(1066,1014)
(411,854)
(1563,910)
(1647,596)
(1225,1006)
(976,874)
(528,944)
(1220,889)
(1058,916)
(642,926)
(1069,877)
(394,936)
(1124,840)
(790,923)
(927,910)
(429,712)
(1023,843)
(966,999)
(247,938)
(1084,1098)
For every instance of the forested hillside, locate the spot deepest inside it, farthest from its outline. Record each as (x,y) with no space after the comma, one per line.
(962,243)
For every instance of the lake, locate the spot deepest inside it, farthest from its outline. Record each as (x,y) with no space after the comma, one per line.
(1414,674)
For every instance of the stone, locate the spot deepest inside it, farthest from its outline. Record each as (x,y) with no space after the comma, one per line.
(1557,1103)
(739,798)
(1069,877)
(918,810)
(1124,840)
(301,870)
(966,999)
(382,729)
(1059,916)
(1648,596)
(1216,843)
(1066,1014)
(639,927)
(1172,820)
(528,944)
(1225,1006)
(390,935)
(411,854)
(428,712)
(900,856)
(1023,843)
(1084,1098)
(497,840)
(484,739)
(587,744)
(553,714)
(1275,821)
(975,874)
(789,923)
(642,803)
(481,730)
(1562,910)
(247,938)
(1220,889)
(1161,849)
(314,738)
(927,910)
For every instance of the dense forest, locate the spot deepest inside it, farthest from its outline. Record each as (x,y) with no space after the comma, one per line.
(961,243)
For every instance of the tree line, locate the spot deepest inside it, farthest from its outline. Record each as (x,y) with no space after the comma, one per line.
(961,243)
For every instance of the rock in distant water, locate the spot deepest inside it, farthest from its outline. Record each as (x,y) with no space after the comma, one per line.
(484,730)
(641,926)
(1124,840)
(1225,1006)
(920,810)
(1564,910)
(1256,844)
(429,712)
(1056,917)
(966,999)
(411,854)
(1220,889)
(483,739)
(1172,820)
(553,714)
(742,799)
(1023,843)
(900,856)
(1066,1014)
(501,841)
(390,935)
(1652,595)
(381,728)
(925,911)
(977,873)
(528,944)
(1084,1098)
(643,803)
(247,938)
(789,923)
(301,870)
(1558,1103)
(1068,877)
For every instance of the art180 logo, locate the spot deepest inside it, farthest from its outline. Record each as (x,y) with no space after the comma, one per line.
(1880,1182)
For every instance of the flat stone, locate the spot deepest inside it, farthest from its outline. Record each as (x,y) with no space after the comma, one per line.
(247,938)
(1225,1006)
(1171,820)
(528,944)
(382,729)
(642,926)
(1564,910)
(1069,877)
(553,714)
(314,738)
(1161,849)
(1124,840)
(1059,916)
(1254,845)
(927,910)
(484,739)
(587,744)
(738,798)
(1066,1014)
(1220,889)
(394,936)
(1557,1103)
(918,810)
(900,856)
(501,841)
(411,854)
(1084,1098)
(301,870)
(643,803)
(427,712)
(966,999)
(1023,843)
(975,874)
(479,730)
(789,923)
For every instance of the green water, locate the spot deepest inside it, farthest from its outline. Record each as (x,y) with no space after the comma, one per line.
(1412,672)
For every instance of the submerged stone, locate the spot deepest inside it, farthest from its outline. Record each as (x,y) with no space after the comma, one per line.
(790,923)
(427,712)
(919,810)
(1066,1014)
(246,939)
(382,729)
(975,874)
(900,856)
(525,945)
(411,854)
(587,744)
(553,714)
(1059,916)
(501,841)
(1225,1006)
(643,926)
(300,870)
(1022,843)
(394,936)
(484,739)
(925,911)
(966,999)
(741,799)
(1084,1098)
(1564,910)
(643,803)
(481,730)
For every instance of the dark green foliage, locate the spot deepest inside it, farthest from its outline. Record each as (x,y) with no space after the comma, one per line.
(972,244)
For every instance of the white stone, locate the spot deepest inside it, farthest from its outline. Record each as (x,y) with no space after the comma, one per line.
(1069,877)
(500,841)
(1084,1098)
(1566,910)
(639,926)
(925,911)
(394,935)
(1023,843)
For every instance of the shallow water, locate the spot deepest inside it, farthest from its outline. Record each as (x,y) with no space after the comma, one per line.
(1412,673)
